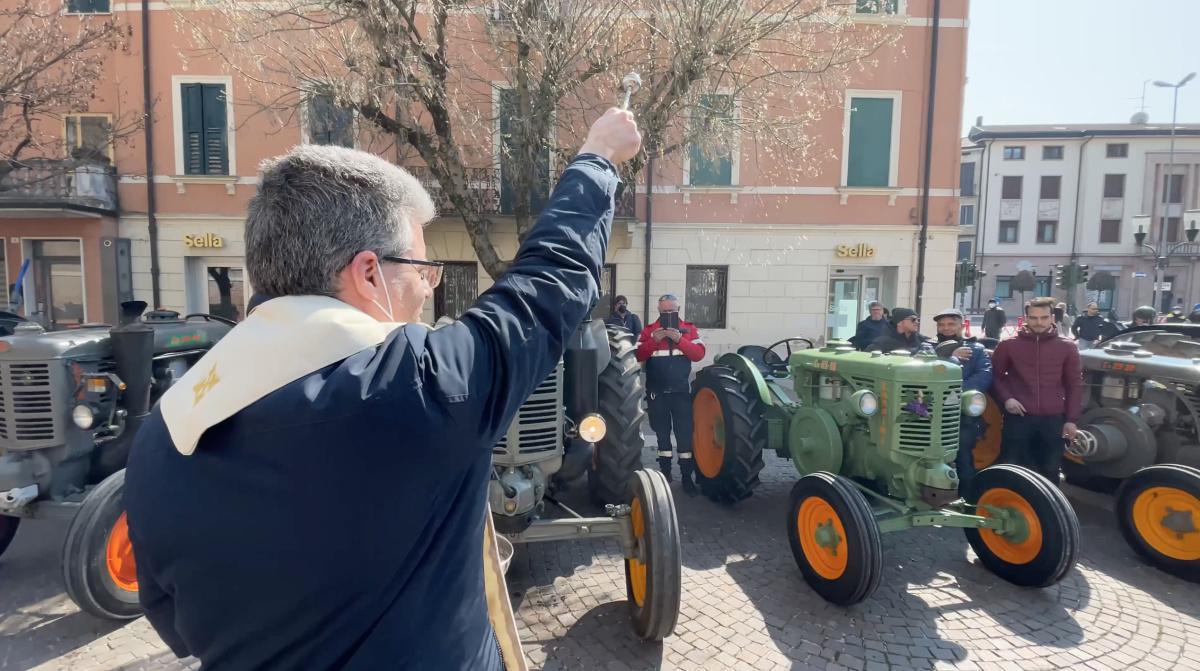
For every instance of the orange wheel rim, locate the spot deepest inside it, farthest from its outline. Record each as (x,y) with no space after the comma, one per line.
(635,567)
(708,434)
(987,448)
(1019,550)
(118,555)
(822,537)
(1166,518)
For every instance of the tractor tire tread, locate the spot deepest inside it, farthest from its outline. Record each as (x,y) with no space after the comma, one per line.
(619,454)
(1179,476)
(739,475)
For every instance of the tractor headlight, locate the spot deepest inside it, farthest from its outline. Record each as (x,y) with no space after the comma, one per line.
(83,416)
(973,403)
(866,403)
(592,428)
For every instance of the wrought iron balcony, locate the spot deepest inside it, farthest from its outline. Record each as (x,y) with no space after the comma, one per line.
(82,186)
(488,192)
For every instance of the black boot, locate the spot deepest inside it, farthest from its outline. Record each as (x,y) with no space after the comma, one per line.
(664,465)
(687,473)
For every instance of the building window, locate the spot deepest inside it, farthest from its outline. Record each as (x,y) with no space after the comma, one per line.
(509,117)
(1051,187)
(1008,232)
(966,179)
(1114,186)
(1175,192)
(1004,286)
(88,136)
(1041,286)
(707,294)
(57,280)
(1014,153)
(1010,188)
(1052,152)
(869,147)
(458,290)
(1172,229)
(1119,150)
(877,6)
(88,7)
(712,165)
(608,289)
(205,135)
(1047,232)
(964,250)
(226,287)
(966,215)
(328,123)
(1110,230)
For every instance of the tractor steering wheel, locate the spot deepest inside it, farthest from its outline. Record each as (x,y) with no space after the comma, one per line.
(779,365)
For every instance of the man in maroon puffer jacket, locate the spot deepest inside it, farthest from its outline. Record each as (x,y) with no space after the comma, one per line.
(1037,377)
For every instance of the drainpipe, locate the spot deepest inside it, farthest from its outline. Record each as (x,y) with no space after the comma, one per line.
(649,236)
(148,141)
(929,109)
(1075,229)
(981,217)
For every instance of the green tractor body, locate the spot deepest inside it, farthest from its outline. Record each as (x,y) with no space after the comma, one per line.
(874,437)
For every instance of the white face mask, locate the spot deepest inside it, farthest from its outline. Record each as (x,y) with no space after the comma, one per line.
(386,294)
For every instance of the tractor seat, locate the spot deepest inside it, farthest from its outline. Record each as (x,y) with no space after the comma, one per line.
(767,362)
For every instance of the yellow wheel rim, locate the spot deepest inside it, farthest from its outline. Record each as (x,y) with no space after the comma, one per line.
(635,568)
(1159,514)
(822,537)
(118,556)
(708,433)
(1011,550)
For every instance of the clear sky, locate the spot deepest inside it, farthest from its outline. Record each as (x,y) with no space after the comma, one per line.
(1080,61)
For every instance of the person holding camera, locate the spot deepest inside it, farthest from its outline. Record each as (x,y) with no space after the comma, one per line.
(668,348)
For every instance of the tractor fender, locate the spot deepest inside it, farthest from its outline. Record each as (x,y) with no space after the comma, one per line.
(747,371)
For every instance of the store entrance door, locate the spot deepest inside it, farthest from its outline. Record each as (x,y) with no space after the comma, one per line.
(217,286)
(850,291)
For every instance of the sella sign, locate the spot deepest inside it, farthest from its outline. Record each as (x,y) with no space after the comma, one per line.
(860,251)
(207,240)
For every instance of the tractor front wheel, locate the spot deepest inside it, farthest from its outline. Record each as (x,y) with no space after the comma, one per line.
(619,453)
(8,530)
(1039,546)
(728,435)
(97,563)
(653,577)
(834,538)
(1158,512)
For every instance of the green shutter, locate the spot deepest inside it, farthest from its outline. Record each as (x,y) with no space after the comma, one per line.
(712,168)
(216,148)
(193,129)
(870,153)
(540,193)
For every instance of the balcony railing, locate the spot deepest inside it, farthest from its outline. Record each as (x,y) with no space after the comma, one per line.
(486,192)
(37,184)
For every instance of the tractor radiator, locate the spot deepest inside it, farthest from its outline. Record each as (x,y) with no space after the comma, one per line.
(937,433)
(28,418)
(536,431)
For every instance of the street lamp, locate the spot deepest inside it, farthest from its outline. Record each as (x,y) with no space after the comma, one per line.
(1167,175)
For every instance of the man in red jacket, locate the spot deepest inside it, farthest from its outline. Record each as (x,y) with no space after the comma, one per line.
(1037,377)
(668,347)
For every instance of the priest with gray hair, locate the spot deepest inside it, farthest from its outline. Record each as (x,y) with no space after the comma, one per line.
(312,493)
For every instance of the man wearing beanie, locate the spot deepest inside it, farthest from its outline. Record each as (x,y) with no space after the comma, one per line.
(624,318)
(905,334)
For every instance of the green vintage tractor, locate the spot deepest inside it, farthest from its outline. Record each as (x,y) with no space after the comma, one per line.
(874,438)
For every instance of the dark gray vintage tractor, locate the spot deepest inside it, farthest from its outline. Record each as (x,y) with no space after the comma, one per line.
(70,404)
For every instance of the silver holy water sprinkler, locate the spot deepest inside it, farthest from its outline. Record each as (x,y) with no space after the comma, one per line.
(630,83)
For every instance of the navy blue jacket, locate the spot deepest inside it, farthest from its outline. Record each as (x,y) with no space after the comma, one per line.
(976,371)
(868,331)
(338,521)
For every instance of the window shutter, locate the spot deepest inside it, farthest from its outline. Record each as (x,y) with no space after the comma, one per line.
(540,191)
(870,150)
(714,167)
(191,96)
(216,151)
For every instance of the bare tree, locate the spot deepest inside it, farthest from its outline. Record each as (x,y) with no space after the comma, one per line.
(464,85)
(49,66)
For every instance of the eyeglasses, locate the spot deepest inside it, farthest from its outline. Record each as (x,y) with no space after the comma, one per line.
(430,271)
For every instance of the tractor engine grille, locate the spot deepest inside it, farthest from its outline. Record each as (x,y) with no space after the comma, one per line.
(537,428)
(938,432)
(27,415)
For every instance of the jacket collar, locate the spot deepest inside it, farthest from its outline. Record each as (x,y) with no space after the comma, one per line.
(1026,334)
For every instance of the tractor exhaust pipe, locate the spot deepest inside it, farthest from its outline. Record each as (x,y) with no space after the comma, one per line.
(133,352)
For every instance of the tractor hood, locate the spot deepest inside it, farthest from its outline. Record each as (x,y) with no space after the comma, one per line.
(31,343)
(1163,354)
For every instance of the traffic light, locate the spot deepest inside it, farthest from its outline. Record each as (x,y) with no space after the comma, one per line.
(1061,275)
(1082,275)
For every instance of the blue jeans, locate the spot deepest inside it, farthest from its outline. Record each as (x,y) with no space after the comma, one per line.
(968,434)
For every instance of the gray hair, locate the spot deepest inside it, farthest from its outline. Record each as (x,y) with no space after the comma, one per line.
(317,207)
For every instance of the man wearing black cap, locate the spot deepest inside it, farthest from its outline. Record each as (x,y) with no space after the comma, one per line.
(976,375)
(624,318)
(905,334)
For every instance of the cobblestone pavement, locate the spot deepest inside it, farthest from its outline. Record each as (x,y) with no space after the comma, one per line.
(745,605)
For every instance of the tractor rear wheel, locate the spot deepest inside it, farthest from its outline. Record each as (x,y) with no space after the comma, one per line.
(97,563)
(987,447)
(834,538)
(653,578)
(1042,547)
(1158,512)
(8,530)
(728,436)
(619,453)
